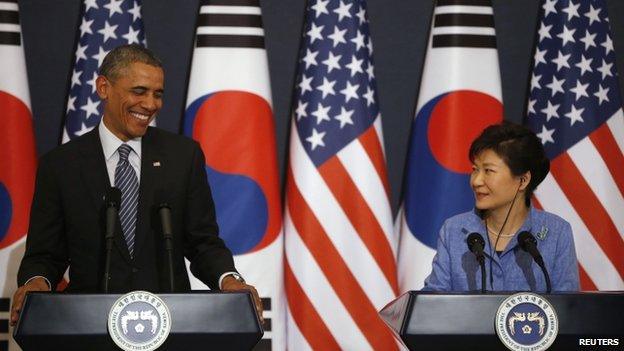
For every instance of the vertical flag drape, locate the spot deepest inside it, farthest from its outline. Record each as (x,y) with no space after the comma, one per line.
(229,112)
(340,250)
(18,158)
(105,25)
(460,94)
(576,110)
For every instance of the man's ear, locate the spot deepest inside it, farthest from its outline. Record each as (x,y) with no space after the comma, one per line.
(102,86)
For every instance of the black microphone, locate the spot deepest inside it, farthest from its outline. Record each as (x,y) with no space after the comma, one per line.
(528,243)
(164,212)
(475,245)
(111,201)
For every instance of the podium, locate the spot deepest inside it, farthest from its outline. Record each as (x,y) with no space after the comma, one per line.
(458,321)
(199,320)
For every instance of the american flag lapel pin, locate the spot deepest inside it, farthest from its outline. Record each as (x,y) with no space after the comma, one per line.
(156,163)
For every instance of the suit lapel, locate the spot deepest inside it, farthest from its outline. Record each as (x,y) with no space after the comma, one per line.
(151,172)
(95,176)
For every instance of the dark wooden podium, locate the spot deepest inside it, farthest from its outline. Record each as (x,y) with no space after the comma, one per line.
(435,321)
(199,320)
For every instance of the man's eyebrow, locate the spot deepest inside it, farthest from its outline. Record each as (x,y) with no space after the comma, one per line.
(144,88)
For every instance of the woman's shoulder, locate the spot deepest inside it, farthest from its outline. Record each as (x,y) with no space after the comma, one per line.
(544,219)
(547,217)
(469,217)
(466,222)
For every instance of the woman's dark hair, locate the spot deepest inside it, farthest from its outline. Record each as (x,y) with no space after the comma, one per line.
(520,149)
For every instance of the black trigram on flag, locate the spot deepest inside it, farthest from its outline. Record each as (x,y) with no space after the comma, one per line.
(9,23)
(230,23)
(265,343)
(463,23)
(4,321)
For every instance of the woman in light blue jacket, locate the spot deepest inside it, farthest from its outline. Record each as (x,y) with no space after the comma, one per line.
(508,164)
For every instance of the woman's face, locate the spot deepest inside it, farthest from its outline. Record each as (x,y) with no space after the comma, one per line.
(493,183)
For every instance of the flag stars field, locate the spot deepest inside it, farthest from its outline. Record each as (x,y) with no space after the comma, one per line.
(546,135)
(343,10)
(305,84)
(588,40)
(551,111)
(332,62)
(114,6)
(108,31)
(91,4)
(585,65)
(567,35)
(562,61)
(321,113)
(316,139)
(301,110)
(580,90)
(575,115)
(535,81)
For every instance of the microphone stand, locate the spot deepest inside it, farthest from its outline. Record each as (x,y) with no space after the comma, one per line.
(482,265)
(546,277)
(113,198)
(527,243)
(109,250)
(540,262)
(165,218)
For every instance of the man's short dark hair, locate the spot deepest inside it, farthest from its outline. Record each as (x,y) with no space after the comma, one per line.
(520,149)
(122,56)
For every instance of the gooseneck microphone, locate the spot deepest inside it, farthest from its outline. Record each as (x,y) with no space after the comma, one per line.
(111,201)
(164,211)
(527,242)
(476,244)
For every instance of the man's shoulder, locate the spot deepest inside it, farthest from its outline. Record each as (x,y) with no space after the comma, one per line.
(169,139)
(70,149)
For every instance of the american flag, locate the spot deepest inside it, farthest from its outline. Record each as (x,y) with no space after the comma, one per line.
(575,108)
(105,25)
(340,264)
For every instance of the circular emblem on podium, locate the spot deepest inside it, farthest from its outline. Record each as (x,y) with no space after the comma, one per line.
(139,320)
(526,321)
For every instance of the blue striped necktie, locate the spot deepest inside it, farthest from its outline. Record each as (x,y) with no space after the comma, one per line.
(126,180)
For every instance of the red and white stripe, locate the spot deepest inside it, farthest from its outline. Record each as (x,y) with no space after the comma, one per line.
(586,187)
(340,266)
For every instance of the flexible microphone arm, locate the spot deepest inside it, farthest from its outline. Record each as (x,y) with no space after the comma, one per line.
(528,243)
(165,219)
(111,200)
(475,245)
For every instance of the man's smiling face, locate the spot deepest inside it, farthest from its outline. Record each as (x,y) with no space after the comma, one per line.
(132,99)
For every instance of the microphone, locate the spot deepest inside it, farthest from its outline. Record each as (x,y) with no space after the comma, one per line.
(164,211)
(111,201)
(527,242)
(475,245)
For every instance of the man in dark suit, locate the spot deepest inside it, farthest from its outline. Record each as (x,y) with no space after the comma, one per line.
(150,167)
